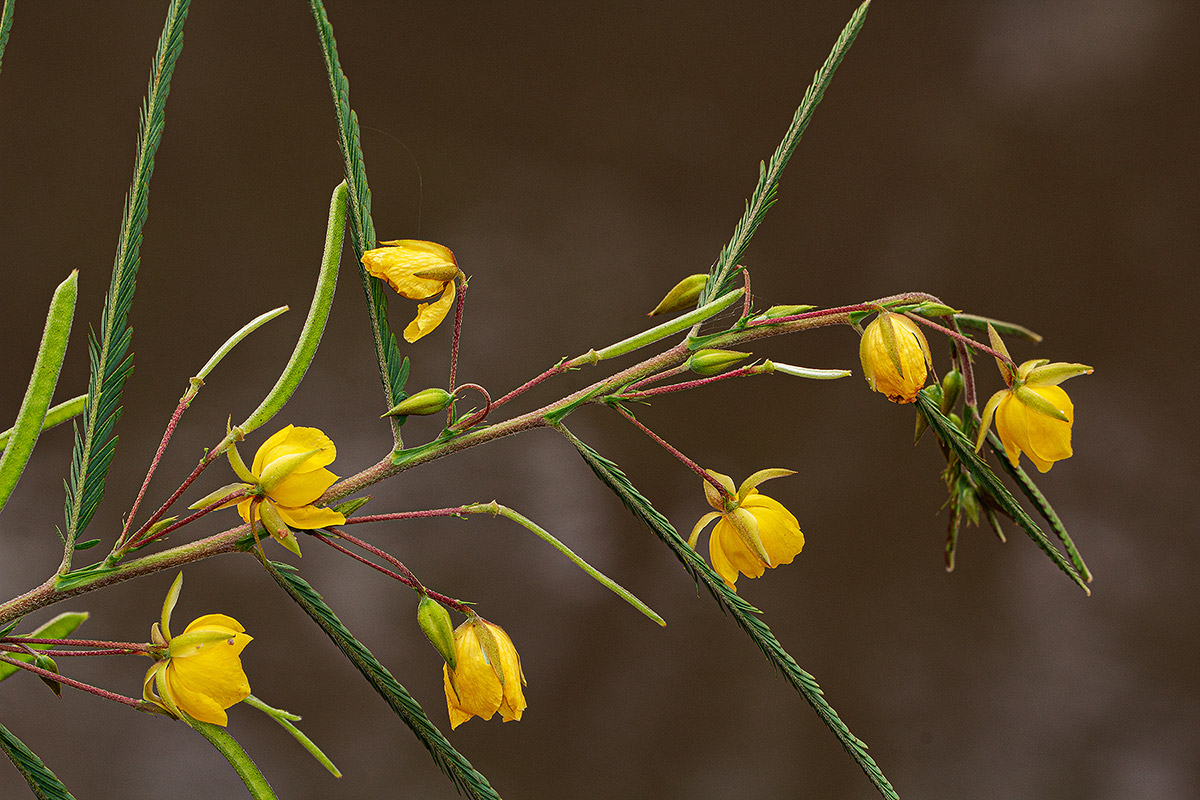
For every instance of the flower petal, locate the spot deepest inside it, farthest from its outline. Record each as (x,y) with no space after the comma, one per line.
(276,439)
(429,315)
(478,688)
(730,555)
(777,527)
(397,262)
(301,488)
(297,440)
(207,678)
(309,517)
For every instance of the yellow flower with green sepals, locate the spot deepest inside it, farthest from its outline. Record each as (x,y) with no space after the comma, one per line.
(1034,415)
(285,480)
(417,270)
(753,532)
(487,676)
(895,357)
(199,672)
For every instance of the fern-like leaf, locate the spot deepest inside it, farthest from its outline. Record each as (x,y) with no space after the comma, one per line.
(455,766)
(392,369)
(987,480)
(108,349)
(736,606)
(764,196)
(44,783)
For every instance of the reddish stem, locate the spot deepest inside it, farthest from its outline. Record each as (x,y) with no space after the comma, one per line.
(962,338)
(209,457)
(184,402)
(458,314)
(478,416)
(408,579)
(679,387)
(129,646)
(557,369)
(113,651)
(687,462)
(433,512)
(746,296)
(74,684)
(208,509)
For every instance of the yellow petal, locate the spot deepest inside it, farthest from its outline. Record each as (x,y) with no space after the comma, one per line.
(479,691)
(777,527)
(512,701)
(301,488)
(309,518)
(429,315)
(730,555)
(292,440)
(901,381)
(1010,424)
(207,678)
(397,262)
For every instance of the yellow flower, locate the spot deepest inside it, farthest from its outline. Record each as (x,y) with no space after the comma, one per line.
(417,270)
(895,357)
(753,532)
(1034,415)
(200,672)
(289,470)
(487,677)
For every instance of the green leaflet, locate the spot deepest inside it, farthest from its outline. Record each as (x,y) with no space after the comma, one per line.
(736,606)
(41,386)
(393,370)
(1030,490)
(957,441)
(44,783)
(108,349)
(768,176)
(450,761)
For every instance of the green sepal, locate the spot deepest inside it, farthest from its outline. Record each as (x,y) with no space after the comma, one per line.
(1035,402)
(434,622)
(42,661)
(487,643)
(348,507)
(82,576)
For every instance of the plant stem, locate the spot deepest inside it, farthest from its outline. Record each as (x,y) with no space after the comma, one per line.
(74,684)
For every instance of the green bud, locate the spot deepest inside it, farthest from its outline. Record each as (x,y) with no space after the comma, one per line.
(928,309)
(424,402)
(710,362)
(683,296)
(348,507)
(213,497)
(952,386)
(435,624)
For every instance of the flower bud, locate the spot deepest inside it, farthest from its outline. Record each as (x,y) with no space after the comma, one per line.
(435,624)
(775,312)
(710,362)
(683,296)
(952,386)
(895,357)
(426,401)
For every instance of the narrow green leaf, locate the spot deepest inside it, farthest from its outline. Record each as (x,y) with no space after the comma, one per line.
(987,480)
(57,415)
(744,614)
(393,369)
(1030,490)
(44,783)
(108,350)
(450,761)
(764,195)
(41,386)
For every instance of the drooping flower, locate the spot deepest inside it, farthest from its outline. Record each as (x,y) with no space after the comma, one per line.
(198,672)
(284,482)
(487,677)
(417,270)
(753,532)
(895,357)
(1034,415)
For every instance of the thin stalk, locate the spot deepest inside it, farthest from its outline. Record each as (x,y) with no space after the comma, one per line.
(74,684)
(242,764)
(741,372)
(687,462)
(960,338)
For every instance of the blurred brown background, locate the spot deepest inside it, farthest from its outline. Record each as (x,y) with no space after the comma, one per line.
(1034,161)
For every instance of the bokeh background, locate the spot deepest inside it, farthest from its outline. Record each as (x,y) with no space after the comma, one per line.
(1028,160)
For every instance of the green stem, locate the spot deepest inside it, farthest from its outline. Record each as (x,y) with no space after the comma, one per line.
(57,415)
(41,386)
(662,331)
(285,720)
(495,509)
(228,747)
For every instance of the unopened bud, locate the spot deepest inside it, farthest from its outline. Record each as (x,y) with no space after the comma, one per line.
(775,312)
(710,362)
(952,386)
(683,296)
(426,401)
(435,624)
